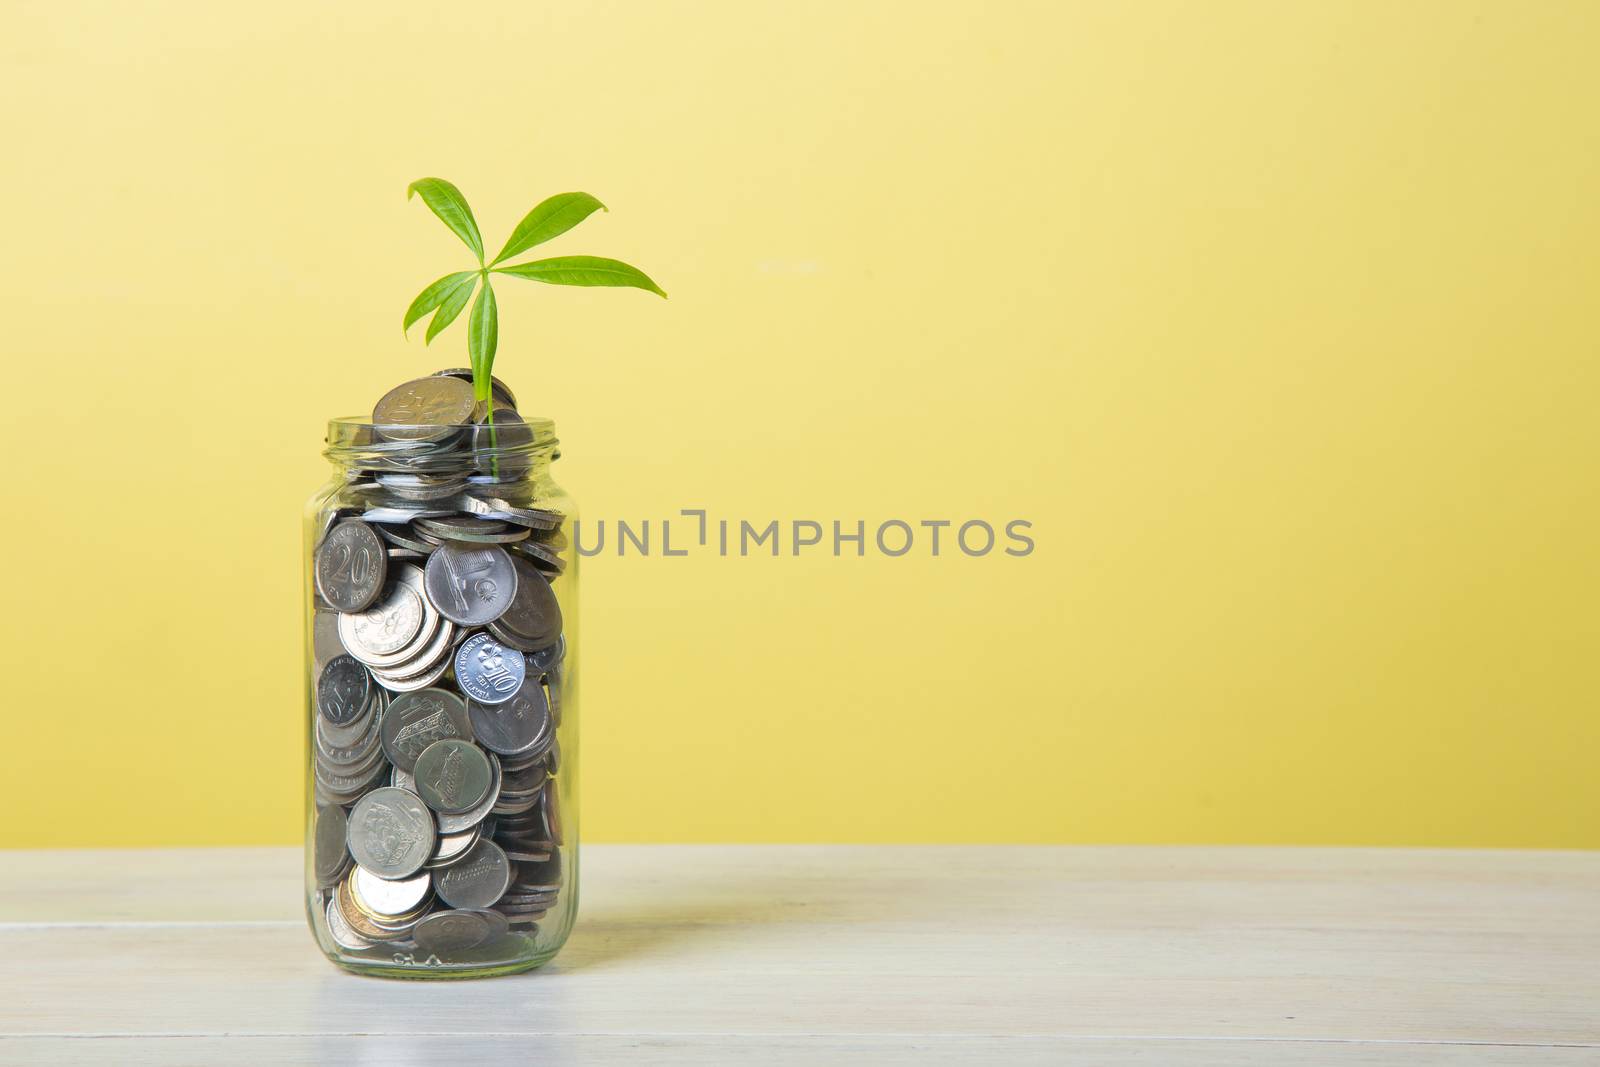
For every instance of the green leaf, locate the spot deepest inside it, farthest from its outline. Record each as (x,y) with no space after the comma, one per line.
(436,294)
(483,337)
(552,218)
(446,201)
(451,306)
(583,270)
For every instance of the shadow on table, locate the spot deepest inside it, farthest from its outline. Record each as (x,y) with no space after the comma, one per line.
(679,914)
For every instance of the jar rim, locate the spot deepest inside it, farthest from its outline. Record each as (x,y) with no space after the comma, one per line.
(356,440)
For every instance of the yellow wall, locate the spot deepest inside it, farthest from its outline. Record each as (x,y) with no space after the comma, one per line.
(1277,320)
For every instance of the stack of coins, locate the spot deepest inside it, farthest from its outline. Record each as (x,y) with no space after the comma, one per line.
(438,649)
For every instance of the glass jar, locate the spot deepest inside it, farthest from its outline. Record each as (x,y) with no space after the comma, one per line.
(440,668)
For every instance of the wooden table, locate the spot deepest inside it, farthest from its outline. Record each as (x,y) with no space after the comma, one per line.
(824,954)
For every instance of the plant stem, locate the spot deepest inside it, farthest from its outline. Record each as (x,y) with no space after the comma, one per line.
(494,440)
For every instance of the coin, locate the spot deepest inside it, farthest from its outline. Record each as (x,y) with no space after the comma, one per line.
(330,854)
(541,555)
(533,619)
(488,671)
(353,917)
(394,516)
(421,658)
(384,897)
(498,389)
(421,681)
(418,719)
(516,726)
(471,585)
(453,776)
(350,566)
(351,755)
(386,627)
(325,643)
(425,409)
(446,932)
(503,536)
(391,832)
(478,880)
(504,445)
(343,689)
(405,537)
(498,927)
(452,847)
(545,659)
(454,824)
(490,507)
(552,811)
(547,873)
(340,929)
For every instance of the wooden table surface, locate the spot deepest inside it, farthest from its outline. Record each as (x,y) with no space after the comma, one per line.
(813,954)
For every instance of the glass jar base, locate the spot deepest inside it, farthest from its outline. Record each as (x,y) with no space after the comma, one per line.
(417,966)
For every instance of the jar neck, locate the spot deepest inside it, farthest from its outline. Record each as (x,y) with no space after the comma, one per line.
(506,448)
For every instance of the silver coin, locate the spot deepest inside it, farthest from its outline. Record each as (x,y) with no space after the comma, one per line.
(339,929)
(503,446)
(546,873)
(428,657)
(350,566)
(498,927)
(328,851)
(405,537)
(325,643)
(498,389)
(352,754)
(353,758)
(425,409)
(391,832)
(534,617)
(453,776)
(343,690)
(421,681)
(549,568)
(386,627)
(402,778)
(447,932)
(488,671)
(418,719)
(545,659)
(351,734)
(461,524)
(490,507)
(410,656)
(523,778)
(416,491)
(390,896)
(507,806)
(552,812)
(485,537)
(452,847)
(541,555)
(471,585)
(515,727)
(454,824)
(478,880)
(346,787)
(402,516)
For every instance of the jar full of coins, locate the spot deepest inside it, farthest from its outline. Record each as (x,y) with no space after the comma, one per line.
(440,673)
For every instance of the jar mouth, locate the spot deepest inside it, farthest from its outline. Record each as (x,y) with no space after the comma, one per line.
(512,442)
